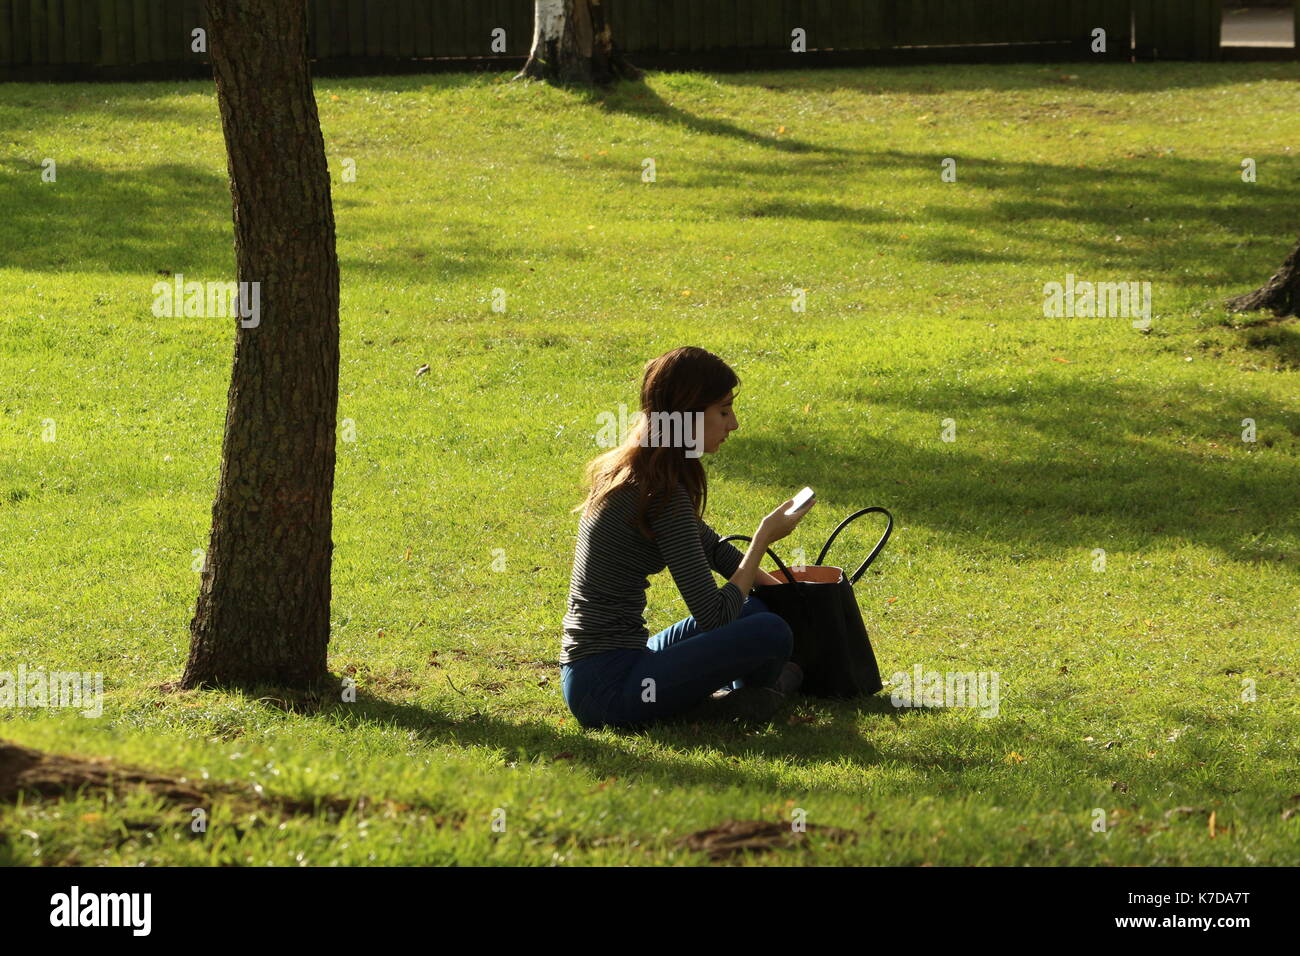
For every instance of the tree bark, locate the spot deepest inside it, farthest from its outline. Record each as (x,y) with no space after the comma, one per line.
(573,44)
(262,615)
(1281,293)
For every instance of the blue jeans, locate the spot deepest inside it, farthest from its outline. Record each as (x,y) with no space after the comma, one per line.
(678,668)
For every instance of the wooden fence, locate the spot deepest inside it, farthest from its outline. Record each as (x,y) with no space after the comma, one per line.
(57,38)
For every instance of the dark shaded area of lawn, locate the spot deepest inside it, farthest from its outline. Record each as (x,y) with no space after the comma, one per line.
(1092,467)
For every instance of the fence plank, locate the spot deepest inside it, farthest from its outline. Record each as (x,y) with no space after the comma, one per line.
(679,29)
(909,22)
(59,16)
(177,38)
(54,36)
(727,29)
(125,46)
(1005,25)
(318,20)
(521,38)
(438,14)
(871,34)
(781,25)
(156,41)
(197,16)
(373,25)
(39,30)
(423,29)
(957,25)
(711,24)
(141,51)
(387,17)
(479,27)
(106,18)
(90,42)
(824,23)
(1047,23)
(354,16)
(624,22)
(1209,21)
(505,20)
(1085,16)
(853,24)
(406,28)
(792,18)
(979,21)
(650,20)
(6,32)
(458,43)
(1177,29)
(22,24)
(749,29)
(667,22)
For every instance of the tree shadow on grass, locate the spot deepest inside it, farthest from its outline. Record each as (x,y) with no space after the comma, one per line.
(612,753)
(1052,217)
(173,218)
(640,101)
(1276,342)
(1149,215)
(738,756)
(1064,465)
(168,217)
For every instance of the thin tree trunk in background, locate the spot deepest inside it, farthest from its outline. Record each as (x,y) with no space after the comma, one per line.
(1280,294)
(573,43)
(263,612)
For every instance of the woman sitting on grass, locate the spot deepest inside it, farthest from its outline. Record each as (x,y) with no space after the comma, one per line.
(642,513)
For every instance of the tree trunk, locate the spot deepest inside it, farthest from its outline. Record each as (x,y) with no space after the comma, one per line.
(573,43)
(263,608)
(1281,293)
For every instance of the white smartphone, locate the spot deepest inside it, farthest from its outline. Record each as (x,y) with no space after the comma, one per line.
(801,499)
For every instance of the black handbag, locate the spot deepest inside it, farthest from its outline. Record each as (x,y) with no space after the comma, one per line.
(818,602)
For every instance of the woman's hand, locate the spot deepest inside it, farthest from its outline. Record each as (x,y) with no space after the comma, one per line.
(778,524)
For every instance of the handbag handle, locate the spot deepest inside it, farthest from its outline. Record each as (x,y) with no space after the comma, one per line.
(770,553)
(874,551)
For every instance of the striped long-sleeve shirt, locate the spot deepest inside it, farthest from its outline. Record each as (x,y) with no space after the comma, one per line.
(614,560)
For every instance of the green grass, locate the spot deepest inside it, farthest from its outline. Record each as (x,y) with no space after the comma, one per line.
(1121,690)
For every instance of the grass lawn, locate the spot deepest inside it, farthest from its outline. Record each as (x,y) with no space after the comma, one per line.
(1125,692)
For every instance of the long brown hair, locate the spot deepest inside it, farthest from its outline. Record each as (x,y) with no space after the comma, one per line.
(685,380)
